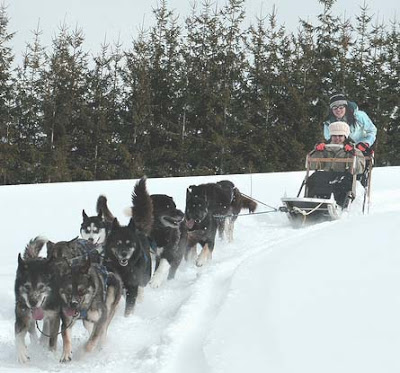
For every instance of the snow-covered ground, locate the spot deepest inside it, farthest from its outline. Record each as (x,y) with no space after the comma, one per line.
(324,298)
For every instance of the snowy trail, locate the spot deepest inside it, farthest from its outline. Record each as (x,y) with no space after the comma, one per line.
(172,323)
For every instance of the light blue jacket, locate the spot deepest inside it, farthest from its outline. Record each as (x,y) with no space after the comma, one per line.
(363,130)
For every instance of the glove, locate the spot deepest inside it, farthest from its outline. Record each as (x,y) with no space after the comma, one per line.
(363,146)
(320,147)
(349,148)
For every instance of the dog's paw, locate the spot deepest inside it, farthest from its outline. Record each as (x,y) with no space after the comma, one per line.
(23,358)
(22,353)
(200,262)
(204,257)
(160,275)
(156,282)
(66,357)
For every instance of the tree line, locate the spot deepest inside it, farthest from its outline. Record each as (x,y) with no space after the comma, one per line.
(202,96)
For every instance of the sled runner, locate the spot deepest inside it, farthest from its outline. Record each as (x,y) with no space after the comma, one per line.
(326,193)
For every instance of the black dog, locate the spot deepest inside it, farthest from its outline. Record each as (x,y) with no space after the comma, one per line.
(201,224)
(36,297)
(168,236)
(208,208)
(127,248)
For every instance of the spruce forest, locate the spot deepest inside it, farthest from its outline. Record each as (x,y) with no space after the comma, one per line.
(196,96)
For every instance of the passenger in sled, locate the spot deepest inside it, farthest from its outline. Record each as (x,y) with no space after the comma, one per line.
(332,177)
(362,129)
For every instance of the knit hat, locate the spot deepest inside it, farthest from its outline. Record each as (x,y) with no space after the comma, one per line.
(339,129)
(337,100)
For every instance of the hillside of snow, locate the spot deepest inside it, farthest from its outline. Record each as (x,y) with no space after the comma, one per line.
(324,298)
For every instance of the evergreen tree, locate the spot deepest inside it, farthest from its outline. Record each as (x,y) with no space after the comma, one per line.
(200,54)
(233,132)
(138,115)
(29,113)
(65,109)
(166,94)
(9,158)
(109,144)
(389,121)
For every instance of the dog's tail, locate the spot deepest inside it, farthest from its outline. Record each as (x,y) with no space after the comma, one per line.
(248,203)
(34,246)
(243,201)
(142,207)
(102,207)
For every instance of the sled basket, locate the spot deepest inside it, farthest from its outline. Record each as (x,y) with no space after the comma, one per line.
(326,193)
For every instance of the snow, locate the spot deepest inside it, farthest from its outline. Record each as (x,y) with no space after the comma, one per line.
(323,298)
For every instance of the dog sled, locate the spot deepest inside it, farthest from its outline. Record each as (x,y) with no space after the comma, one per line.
(327,194)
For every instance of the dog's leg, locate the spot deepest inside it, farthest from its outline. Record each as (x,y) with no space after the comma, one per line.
(44,339)
(221,223)
(231,223)
(113,296)
(54,325)
(191,254)
(66,337)
(161,274)
(131,295)
(32,332)
(98,331)
(140,294)
(21,328)
(204,256)
(174,267)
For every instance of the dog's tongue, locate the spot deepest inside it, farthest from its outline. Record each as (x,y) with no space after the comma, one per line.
(37,313)
(190,223)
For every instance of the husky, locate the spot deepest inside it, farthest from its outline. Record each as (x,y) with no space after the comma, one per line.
(127,248)
(95,228)
(169,236)
(90,293)
(36,297)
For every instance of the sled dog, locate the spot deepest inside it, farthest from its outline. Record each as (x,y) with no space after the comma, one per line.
(95,228)
(127,248)
(238,202)
(168,236)
(209,208)
(90,293)
(36,297)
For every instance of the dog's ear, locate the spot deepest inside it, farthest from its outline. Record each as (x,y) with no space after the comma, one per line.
(20,260)
(131,225)
(115,224)
(50,249)
(49,259)
(84,216)
(189,190)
